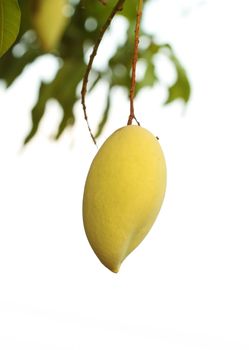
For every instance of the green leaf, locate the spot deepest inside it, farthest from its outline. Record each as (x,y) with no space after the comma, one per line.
(39,109)
(9,72)
(181,89)
(105,115)
(150,75)
(10,17)
(63,90)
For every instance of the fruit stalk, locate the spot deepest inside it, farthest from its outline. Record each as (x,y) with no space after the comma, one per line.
(134,63)
(118,7)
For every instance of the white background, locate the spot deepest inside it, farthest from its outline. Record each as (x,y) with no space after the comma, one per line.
(187,285)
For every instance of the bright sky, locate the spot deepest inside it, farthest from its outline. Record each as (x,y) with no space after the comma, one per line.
(186,286)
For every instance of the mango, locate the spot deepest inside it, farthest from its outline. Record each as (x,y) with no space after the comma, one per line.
(123,193)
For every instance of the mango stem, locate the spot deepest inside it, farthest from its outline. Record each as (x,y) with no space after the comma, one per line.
(134,63)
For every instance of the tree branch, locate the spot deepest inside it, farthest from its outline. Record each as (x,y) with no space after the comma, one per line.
(118,7)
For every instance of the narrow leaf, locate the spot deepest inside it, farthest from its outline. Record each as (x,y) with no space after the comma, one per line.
(105,114)
(150,75)
(63,90)
(39,109)
(181,88)
(68,119)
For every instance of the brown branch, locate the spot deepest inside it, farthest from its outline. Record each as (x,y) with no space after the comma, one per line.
(118,7)
(134,64)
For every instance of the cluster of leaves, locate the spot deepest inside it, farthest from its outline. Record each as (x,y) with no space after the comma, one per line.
(77,34)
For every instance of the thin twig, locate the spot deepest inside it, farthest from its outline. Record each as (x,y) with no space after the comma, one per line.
(134,63)
(118,7)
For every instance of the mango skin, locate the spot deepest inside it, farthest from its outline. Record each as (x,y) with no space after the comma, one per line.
(123,193)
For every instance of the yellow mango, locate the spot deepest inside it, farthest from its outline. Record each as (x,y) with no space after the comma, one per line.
(123,193)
